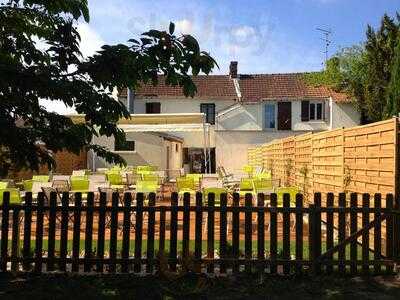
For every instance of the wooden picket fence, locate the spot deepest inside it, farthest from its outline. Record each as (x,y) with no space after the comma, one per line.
(284,239)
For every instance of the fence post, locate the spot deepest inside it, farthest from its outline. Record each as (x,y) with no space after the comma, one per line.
(389,232)
(248,231)
(235,232)
(210,231)
(299,233)
(273,234)
(76,232)
(113,232)
(317,232)
(173,232)
(286,234)
(311,236)
(89,233)
(150,233)
(222,232)
(138,233)
(126,232)
(52,231)
(198,231)
(39,234)
(4,231)
(261,233)
(26,248)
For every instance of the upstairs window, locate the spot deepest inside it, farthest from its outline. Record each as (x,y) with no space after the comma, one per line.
(209,110)
(124,146)
(153,107)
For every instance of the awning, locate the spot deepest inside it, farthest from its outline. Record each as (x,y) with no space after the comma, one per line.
(162,128)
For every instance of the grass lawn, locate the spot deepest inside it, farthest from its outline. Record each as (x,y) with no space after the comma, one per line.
(191,247)
(190,286)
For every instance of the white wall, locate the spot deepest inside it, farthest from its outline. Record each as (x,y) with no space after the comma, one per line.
(150,149)
(186,105)
(344,115)
(241,117)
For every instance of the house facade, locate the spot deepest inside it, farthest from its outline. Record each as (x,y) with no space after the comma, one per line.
(243,111)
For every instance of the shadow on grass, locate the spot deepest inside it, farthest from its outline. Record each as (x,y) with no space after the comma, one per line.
(192,286)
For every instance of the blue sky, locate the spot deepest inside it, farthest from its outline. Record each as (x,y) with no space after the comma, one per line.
(266,36)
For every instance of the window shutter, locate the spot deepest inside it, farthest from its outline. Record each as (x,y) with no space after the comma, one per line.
(305,111)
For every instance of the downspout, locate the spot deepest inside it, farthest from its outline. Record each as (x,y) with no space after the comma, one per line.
(204,142)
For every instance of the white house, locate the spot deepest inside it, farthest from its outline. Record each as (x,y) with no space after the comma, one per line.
(242,110)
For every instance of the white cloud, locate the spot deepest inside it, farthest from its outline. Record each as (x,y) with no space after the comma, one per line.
(243,32)
(184,26)
(91,41)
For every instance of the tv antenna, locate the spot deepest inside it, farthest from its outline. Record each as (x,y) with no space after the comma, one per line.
(327,39)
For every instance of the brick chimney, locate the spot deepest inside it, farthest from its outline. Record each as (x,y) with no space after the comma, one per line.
(233,69)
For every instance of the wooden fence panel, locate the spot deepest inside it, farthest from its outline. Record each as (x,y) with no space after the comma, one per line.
(287,252)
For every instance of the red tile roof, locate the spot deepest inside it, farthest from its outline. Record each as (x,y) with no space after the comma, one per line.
(211,86)
(290,86)
(254,88)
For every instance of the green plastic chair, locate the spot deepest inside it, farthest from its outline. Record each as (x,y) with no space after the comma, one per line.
(292,191)
(15,196)
(79,177)
(3,185)
(217,192)
(249,170)
(115,180)
(246,186)
(79,185)
(151,177)
(147,187)
(263,175)
(28,184)
(41,178)
(262,185)
(185,185)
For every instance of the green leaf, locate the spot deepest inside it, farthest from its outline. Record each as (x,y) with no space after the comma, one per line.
(171,28)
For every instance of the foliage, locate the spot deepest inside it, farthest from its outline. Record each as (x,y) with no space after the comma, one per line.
(364,71)
(288,171)
(40,59)
(304,170)
(393,90)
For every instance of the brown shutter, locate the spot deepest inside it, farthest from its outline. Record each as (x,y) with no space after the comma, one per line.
(305,111)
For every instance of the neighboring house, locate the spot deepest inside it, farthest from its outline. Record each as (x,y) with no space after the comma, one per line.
(243,110)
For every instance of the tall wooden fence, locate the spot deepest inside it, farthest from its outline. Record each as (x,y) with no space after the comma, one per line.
(253,235)
(361,159)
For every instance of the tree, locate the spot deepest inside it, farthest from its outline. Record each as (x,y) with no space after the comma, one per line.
(29,134)
(393,90)
(364,71)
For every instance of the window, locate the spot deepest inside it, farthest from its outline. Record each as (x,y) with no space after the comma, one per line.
(176,147)
(209,110)
(270,118)
(153,108)
(312,111)
(124,146)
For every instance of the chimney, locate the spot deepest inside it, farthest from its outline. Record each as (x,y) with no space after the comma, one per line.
(233,68)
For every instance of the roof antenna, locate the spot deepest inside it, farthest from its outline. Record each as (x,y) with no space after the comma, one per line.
(326,38)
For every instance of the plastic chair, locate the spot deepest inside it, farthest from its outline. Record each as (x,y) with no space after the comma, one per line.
(263,175)
(263,185)
(292,191)
(3,185)
(185,185)
(41,178)
(147,187)
(217,192)
(151,177)
(249,170)
(79,177)
(15,196)
(28,185)
(79,185)
(246,186)
(196,177)
(115,180)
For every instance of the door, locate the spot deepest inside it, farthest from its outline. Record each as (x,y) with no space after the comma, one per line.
(284,115)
